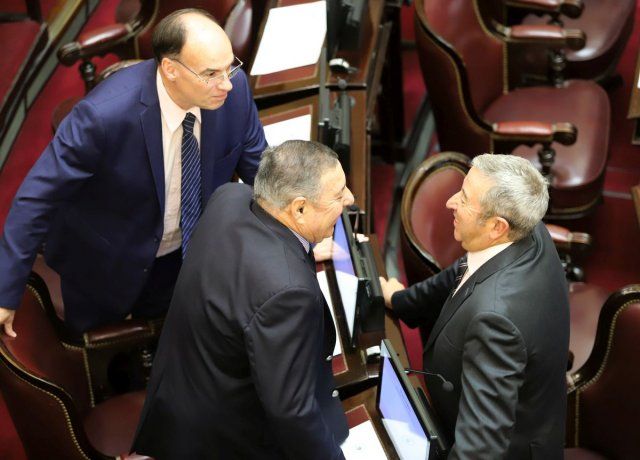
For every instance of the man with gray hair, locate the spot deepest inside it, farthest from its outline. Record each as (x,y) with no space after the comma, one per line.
(498,319)
(243,368)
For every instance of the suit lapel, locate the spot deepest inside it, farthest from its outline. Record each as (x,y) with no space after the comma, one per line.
(493,265)
(152,130)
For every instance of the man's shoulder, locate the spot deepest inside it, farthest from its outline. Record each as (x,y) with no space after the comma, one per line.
(123,84)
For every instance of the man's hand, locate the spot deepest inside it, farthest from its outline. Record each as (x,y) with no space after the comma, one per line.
(388,289)
(6,318)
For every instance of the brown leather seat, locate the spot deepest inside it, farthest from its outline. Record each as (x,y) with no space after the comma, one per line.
(586,301)
(116,357)
(49,398)
(604,404)
(607,25)
(464,68)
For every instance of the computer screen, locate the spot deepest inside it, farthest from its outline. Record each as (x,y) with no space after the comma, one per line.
(345,272)
(406,418)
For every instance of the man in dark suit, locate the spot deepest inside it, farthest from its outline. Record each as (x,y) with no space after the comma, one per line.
(105,196)
(499,319)
(243,368)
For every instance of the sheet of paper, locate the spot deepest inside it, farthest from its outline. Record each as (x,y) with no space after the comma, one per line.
(292,37)
(293,128)
(348,285)
(363,443)
(324,287)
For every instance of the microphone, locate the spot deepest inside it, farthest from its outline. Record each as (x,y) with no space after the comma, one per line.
(446,385)
(355,209)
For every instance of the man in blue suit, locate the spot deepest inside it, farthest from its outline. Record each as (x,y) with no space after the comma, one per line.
(107,196)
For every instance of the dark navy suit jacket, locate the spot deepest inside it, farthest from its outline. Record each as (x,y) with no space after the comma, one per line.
(242,368)
(97,194)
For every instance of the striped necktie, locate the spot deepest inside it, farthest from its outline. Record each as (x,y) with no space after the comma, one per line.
(462,269)
(191,189)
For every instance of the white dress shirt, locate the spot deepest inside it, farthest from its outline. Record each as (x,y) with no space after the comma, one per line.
(172,116)
(477,259)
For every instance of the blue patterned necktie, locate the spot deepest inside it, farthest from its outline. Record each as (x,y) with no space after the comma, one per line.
(191,189)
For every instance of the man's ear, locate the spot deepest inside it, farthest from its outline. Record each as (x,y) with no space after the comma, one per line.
(500,228)
(298,208)
(168,68)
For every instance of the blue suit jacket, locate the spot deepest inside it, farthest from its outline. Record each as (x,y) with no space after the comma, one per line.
(97,194)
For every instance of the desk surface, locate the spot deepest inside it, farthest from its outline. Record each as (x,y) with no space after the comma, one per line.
(365,59)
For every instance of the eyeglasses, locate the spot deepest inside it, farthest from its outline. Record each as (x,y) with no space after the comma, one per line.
(216,76)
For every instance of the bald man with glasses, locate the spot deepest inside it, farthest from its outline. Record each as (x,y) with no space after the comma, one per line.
(118,191)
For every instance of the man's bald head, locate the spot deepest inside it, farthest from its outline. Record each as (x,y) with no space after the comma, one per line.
(192,24)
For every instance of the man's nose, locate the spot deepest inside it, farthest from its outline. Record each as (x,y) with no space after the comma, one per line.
(452,202)
(348,199)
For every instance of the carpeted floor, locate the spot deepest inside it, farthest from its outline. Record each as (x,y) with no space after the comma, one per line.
(611,264)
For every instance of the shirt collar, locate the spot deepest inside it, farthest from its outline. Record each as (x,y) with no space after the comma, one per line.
(302,240)
(172,112)
(476,259)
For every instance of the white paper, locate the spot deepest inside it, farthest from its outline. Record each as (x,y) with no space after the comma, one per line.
(292,37)
(324,287)
(348,285)
(363,443)
(409,445)
(293,128)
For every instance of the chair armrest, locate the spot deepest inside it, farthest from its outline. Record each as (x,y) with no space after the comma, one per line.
(569,8)
(134,330)
(94,43)
(574,243)
(535,132)
(550,35)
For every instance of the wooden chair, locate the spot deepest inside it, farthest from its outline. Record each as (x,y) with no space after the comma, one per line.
(607,25)
(463,65)
(603,402)
(46,389)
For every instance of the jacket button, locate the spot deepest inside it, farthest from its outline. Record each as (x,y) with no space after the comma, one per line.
(145,269)
(329,358)
(335,393)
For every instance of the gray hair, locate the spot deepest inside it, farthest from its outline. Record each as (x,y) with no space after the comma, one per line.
(519,193)
(292,169)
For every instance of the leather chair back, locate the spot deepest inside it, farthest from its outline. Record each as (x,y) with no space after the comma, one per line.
(427,239)
(440,26)
(44,385)
(604,407)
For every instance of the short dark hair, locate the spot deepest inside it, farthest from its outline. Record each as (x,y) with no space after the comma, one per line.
(293,168)
(169,35)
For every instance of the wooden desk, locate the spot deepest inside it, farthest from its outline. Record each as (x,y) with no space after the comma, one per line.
(358,179)
(367,59)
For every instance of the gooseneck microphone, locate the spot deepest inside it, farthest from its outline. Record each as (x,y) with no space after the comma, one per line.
(446,385)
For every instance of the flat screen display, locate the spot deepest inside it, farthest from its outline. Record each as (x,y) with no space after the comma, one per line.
(399,416)
(345,273)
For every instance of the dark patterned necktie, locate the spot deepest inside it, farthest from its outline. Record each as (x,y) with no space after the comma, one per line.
(191,188)
(462,269)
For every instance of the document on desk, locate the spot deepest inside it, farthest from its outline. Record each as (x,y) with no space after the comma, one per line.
(324,287)
(363,443)
(292,37)
(293,128)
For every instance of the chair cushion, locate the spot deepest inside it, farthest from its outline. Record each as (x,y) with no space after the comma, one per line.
(585,303)
(582,454)
(111,425)
(578,170)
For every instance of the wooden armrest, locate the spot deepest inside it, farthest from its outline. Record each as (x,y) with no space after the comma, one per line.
(546,35)
(536,131)
(569,8)
(94,43)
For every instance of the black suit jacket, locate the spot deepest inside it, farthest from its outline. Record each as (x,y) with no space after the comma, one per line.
(243,367)
(502,340)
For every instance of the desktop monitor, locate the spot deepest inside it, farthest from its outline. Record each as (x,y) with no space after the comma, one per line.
(357,280)
(406,416)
